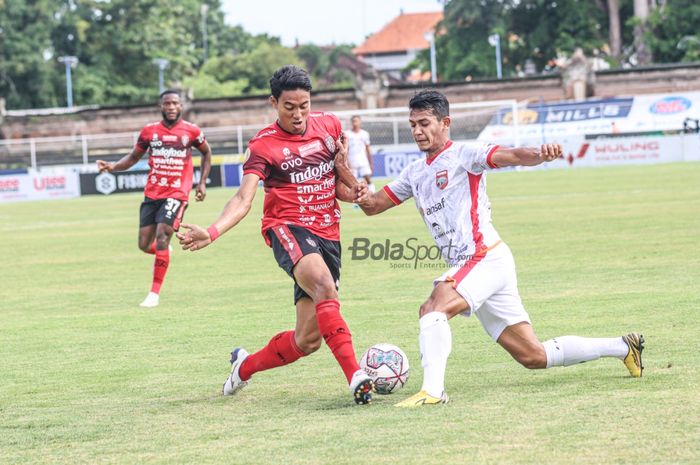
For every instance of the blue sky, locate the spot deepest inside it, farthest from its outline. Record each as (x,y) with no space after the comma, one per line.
(321,22)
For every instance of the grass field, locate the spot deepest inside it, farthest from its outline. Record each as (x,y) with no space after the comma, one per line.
(89,377)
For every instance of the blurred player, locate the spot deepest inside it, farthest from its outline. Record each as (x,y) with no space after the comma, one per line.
(359,153)
(449,187)
(169,145)
(296,159)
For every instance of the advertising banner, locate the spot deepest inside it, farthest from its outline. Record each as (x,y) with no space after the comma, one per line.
(132,181)
(37,186)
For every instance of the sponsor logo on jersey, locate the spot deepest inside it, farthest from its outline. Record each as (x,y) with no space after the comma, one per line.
(330,144)
(307,220)
(185,139)
(441,179)
(293,163)
(312,188)
(290,243)
(168,152)
(269,132)
(310,148)
(169,138)
(438,232)
(287,153)
(305,199)
(435,208)
(326,195)
(312,172)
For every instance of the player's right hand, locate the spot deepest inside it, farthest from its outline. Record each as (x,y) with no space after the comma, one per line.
(194,238)
(103,166)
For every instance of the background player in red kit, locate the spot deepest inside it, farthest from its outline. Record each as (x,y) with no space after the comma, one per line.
(298,158)
(169,144)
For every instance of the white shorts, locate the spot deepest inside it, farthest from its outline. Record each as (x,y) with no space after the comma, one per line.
(360,170)
(490,286)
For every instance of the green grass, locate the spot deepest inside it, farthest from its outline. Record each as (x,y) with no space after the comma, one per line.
(88,377)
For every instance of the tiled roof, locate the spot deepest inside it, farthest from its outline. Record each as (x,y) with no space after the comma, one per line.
(405,32)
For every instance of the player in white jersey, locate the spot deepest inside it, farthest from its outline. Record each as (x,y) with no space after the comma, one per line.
(359,152)
(449,188)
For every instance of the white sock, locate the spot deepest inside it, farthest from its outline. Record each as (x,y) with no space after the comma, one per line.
(569,350)
(435,346)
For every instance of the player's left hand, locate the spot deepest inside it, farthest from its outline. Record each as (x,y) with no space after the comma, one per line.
(550,152)
(201,192)
(194,238)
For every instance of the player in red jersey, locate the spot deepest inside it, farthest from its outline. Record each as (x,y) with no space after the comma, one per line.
(169,144)
(298,158)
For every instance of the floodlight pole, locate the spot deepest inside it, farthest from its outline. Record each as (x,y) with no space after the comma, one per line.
(430,37)
(70,61)
(495,41)
(162,63)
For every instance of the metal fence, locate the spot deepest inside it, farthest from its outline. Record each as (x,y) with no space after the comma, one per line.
(387,126)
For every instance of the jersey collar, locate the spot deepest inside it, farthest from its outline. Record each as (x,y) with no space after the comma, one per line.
(448,144)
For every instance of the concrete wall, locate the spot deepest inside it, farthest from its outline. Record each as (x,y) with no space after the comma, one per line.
(257,111)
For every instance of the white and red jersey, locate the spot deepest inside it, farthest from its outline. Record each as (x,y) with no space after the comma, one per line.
(170,158)
(298,174)
(450,194)
(357,147)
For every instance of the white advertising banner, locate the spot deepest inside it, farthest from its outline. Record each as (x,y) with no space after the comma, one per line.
(38,186)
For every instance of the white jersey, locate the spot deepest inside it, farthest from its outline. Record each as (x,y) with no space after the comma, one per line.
(450,194)
(357,143)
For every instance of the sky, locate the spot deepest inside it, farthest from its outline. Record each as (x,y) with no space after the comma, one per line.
(320,22)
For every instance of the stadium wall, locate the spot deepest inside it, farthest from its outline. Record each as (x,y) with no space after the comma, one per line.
(256,109)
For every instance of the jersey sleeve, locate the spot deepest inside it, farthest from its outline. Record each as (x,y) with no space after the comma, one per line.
(365,139)
(198,137)
(477,158)
(257,164)
(143,142)
(399,190)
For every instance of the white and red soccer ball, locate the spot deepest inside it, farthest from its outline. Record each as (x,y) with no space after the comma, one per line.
(387,365)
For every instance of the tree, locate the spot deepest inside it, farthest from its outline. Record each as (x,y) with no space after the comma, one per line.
(673,31)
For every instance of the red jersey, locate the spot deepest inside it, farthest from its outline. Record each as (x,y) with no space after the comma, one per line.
(298,174)
(170,158)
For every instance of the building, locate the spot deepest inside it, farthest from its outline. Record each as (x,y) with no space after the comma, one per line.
(391,49)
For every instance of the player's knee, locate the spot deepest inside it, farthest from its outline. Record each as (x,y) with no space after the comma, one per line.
(324,289)
(310,344)
(533,359)
(427,307)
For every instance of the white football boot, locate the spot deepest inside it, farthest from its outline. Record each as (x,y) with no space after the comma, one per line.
(151,300)
(234,383)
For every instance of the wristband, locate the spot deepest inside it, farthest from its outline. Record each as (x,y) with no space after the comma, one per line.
(213,232)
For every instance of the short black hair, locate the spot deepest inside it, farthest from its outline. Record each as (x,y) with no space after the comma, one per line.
(169,91)
(289,77)
(431,100)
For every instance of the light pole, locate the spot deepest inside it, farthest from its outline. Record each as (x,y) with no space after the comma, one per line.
(162,63)
(495,41)
(203,10)
(430,37)
(70,61)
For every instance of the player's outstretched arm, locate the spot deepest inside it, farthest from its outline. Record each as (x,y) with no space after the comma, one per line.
(373,203)
(205,150)
(197,237)
(526,156)
(126,162)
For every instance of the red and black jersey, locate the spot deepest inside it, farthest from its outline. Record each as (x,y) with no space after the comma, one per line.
(170,158)
(298,174)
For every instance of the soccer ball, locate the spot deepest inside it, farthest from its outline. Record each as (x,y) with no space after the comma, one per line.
(387,365)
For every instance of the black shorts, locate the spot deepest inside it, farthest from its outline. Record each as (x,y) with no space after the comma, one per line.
(290,243)
(168,211)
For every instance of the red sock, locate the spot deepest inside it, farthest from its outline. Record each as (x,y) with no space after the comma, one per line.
(281,350)
(160,267)
(152,250)
(337,335)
